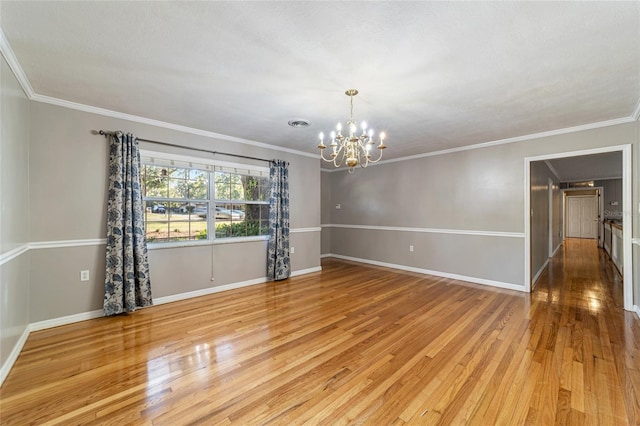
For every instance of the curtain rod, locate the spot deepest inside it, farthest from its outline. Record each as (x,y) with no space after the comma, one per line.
(108,133)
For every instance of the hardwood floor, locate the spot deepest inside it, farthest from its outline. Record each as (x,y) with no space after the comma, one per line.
(352,344)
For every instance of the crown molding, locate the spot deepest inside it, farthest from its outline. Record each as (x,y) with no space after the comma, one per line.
(10,57)
(557,132)
(553,170)
(157,123)
(636,112)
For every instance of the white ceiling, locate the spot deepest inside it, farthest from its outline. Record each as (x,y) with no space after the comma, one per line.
(432,75)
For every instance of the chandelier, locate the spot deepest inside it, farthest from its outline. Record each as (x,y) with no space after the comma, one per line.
(354,149)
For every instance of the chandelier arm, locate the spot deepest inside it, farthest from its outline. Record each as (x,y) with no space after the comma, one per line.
(328,160)
(378,159)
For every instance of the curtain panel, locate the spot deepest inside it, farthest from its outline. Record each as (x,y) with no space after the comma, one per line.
(278,262)
(127,285)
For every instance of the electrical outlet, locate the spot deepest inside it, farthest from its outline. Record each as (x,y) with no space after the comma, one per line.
(410,248)
(84,275)
(338,206)
(292,250)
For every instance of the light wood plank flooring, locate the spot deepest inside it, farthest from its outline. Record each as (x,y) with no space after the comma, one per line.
(353,344)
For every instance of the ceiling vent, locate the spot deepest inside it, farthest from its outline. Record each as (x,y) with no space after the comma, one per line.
(299,123)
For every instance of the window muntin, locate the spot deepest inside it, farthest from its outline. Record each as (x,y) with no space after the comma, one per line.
(184,203)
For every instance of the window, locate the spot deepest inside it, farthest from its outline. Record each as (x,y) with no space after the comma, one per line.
(185,200)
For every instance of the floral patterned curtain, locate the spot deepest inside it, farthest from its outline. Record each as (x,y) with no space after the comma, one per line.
(126,284)
(278,264)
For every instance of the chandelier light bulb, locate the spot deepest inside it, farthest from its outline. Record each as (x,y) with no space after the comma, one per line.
(321,136)
(382,136)
(370,133)
(339,127)
(352,129)
(364,126)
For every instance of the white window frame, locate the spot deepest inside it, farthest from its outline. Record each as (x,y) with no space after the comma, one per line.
(187,161)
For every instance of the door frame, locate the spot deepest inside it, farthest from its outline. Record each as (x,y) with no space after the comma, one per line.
(550,186)
(626,213)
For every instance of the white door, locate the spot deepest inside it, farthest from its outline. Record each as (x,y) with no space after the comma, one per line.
(573,217)
(589,217)
(582,217)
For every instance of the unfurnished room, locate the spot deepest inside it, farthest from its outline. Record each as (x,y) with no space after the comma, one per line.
(319,213)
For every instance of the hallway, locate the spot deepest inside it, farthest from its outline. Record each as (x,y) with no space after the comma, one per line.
(580,297)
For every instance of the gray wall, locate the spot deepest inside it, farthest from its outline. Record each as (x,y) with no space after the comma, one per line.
(612,192)
(541,218)
(68,198)
(14,213)
(325,216)
(475,190)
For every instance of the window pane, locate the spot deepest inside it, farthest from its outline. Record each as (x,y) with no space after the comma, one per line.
(157,231)
(154,183)
(223,231)
(251,188)
(223,186)
(197,190)
(237,191)
(195,174)
(238,211)
(198,185)
(177,188)
(264,189)
(177,173)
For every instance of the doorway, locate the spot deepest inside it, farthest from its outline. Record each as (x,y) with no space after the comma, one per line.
(625,150)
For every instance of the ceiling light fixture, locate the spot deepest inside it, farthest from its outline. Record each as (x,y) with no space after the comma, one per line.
(351,150)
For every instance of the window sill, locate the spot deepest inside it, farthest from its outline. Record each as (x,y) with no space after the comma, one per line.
(195,243)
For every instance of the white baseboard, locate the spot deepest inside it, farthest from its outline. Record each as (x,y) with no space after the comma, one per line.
(226,287)
(13,356)
(556,250)
(636,308)
(322,256)
(540,271)
(306,271)
(474,280)
(206,291)
(69,319)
